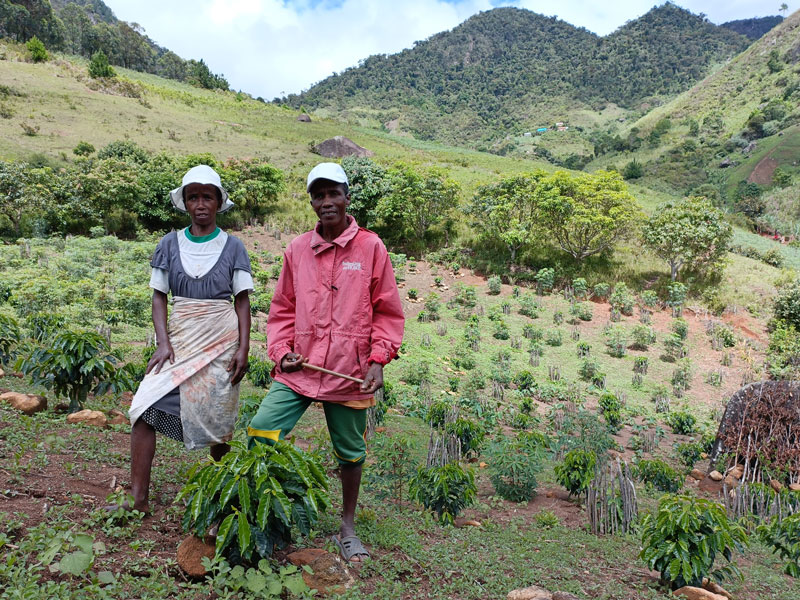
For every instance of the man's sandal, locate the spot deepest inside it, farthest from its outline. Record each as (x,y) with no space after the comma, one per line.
(349,547)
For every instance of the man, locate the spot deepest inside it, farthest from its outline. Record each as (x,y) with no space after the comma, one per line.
(336,306)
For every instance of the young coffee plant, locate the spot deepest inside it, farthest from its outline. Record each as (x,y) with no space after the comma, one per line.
(9,338)
(682,540)
(611,407)
(622,299)
(74,364)
(643,337)
(258,371)
(529,306)
(576,471)
(589,369)
(580,288)
(445,489)
(554,337)
(257,496)
(658,474)
(676,297)
(682,422)
(602,290)
(581,310)
(689,453)
(674,348)
(495,284)
(783,537)
(545,280)
(514,464)
(617,341)
(470,435)
(680,328)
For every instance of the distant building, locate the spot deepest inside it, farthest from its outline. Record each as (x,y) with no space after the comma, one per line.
(527,134)
(562,128)
(541,130)
(559,124)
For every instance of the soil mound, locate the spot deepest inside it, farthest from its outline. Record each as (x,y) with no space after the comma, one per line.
(339,147)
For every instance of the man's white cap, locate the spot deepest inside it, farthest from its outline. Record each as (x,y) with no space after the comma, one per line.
(330,171)
(205,175)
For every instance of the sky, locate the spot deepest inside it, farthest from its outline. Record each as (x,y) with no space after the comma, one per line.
(270,48)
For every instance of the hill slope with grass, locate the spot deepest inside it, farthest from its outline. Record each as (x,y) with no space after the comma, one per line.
(510,69)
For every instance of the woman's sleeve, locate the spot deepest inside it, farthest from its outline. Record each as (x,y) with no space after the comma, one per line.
(280,323)
(159,280)
(387,310)
(241,259)
(160,258)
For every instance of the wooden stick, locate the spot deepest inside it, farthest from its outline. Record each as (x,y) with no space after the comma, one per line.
(334,373)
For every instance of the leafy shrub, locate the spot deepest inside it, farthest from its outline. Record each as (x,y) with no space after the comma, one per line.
(680,328)
(525,381)
(658,474)
(9,338)
(783,354)
(643,337)
(601,290)
(464,358)
(466,295)
(584,348)
(501,331)
(529,306)
(547,519)
(649,299)
(513,466)
(724,334)
(437,413)
(617,341)
(545,280)
(676,297)
(74,364)
(432,306)
(445,489)
(787,305)
(258,371)
(257,496)
(622,299)
(682,422)
(689,453)
(783,537)
(494,285)
(99,67)
(611,407)
(37,50)
(640,364)
(469,433)
(576,471)
(682,376)
(413,293)
(674,348)
(684,537)
(589,369)
(553,337)
(580,288)
(558,317)
(581,310)
(83,149)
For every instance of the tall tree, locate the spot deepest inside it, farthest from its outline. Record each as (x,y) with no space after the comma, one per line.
(506,211)
(689,233)
(586,214)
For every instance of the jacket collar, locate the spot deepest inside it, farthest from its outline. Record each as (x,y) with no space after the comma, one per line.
(319,244)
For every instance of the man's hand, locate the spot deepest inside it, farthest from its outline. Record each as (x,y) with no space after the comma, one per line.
(373,379)
(238,366)
(163,353)
(292,362)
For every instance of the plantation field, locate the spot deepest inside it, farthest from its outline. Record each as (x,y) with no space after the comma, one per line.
(55,477)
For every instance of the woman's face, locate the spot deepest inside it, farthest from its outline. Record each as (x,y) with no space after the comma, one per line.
(202,202)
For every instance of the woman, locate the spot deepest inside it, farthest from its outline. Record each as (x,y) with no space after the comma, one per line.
(190,391)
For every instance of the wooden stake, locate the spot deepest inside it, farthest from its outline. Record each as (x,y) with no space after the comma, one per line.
(334,373)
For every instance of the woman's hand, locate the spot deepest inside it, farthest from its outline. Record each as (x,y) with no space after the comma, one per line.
(292,362)
(238,365)
(163,353)
(373,379)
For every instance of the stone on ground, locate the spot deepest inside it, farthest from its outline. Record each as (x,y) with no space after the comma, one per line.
(330,575)
(697,474)
(190,555)
(715,475)
(117,417)
(533,592)
(26,403)
(696,593)
(94,418)
(305,556)
(713,586)
(339,147)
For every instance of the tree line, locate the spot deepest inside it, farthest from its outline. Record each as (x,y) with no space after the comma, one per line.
(87,27)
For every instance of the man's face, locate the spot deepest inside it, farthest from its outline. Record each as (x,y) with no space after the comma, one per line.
(330,202)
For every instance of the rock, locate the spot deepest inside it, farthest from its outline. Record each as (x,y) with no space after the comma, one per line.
(704,455)
(731,481)
(563,596)
(696,593)
(795,487)
(715,475)
(339,147)
(127,396)
(482,465)
(304,118)
(117,417)
(305,556)
(750,147)
(533,592)
(89,417)
(25,403)
(737,471)
(380,429)
(725,163)
(715,588)
(2,373)
(468,523)
(330,575)
(775,485)
(190,555)
(697,474)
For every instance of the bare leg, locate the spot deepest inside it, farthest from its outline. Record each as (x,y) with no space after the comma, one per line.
(143,448)
(350,476)
(217,451)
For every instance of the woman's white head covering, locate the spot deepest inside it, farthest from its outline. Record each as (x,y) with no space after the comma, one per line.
(205,175)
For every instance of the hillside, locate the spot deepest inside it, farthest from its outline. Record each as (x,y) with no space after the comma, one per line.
(753,28)
(751,103)
(512,70)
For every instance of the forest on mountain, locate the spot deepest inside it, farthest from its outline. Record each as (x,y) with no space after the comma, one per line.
(509,68)
(84,27)
(753,28)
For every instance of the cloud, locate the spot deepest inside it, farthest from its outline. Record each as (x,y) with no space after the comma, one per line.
(270,48)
